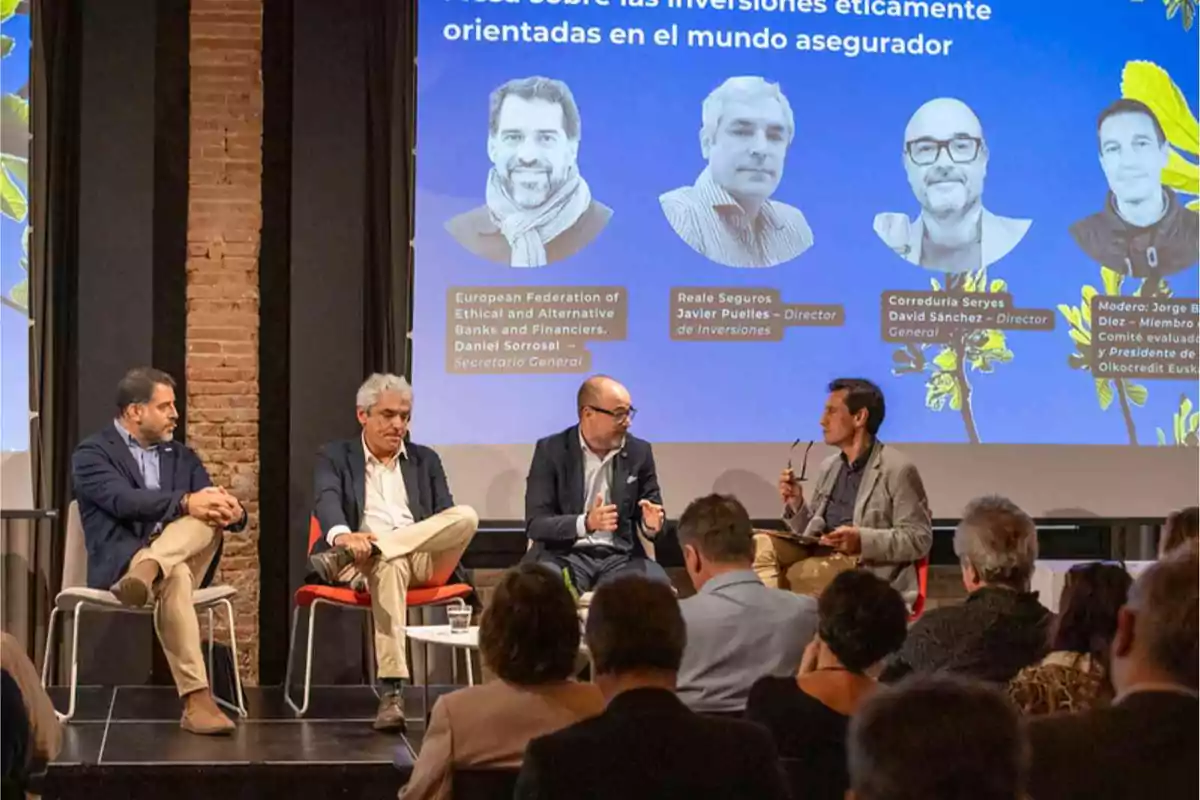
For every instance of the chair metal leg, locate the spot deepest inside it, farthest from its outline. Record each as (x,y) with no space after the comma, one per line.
(287,676)
(470,667)
(212,645)
(240,707)
(308,659)
(78,617)
(49,646)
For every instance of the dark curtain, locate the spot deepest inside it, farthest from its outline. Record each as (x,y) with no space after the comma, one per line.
(390,66)
(53,288)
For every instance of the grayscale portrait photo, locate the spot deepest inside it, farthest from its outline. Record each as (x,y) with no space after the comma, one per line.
(538,207)
(946,159)
(728,215)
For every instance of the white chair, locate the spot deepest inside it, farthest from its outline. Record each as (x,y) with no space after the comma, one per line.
(76,596)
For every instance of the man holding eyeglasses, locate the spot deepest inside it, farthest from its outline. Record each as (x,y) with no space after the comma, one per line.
(592,493)
(946,158)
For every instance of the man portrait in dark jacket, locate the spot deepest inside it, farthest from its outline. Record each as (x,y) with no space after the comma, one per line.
(153,524)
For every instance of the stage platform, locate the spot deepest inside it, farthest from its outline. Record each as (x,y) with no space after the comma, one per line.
(125,742)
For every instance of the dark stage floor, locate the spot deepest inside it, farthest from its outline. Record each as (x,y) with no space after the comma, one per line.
(126,742)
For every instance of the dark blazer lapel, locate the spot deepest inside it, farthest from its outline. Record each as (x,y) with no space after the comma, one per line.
(120,453)
(872,470)
(412,486)
(620,474)
(358,478)
(168,460)
(576,503)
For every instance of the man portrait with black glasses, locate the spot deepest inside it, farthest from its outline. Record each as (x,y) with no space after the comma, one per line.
(946,159)
(592,502)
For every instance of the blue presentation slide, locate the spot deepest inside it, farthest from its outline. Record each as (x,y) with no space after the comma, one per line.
(989,209)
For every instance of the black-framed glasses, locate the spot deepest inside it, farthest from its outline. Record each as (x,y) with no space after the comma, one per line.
(961,149)
(619,416)
(804,463)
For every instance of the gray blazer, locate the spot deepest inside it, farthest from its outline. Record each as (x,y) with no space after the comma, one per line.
(737,632)
(891,513)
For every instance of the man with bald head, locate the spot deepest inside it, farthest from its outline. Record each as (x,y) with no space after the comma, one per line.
(946,158)
(592,493)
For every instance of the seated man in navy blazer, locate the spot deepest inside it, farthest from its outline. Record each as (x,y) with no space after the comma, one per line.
(592,490)
(152,521)
(386,514)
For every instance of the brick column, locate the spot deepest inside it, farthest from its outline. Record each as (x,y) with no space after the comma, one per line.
(224,221)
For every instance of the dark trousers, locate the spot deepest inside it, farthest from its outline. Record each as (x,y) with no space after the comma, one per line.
(591,566)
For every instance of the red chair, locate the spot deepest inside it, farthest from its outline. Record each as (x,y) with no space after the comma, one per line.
(311,596)
(922,589)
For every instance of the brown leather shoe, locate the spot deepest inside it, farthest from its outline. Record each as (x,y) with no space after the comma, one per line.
(390,716)
(202,716)
(137,586)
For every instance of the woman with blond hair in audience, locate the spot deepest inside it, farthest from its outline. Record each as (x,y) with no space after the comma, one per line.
(1074,675)
(1182,527)
(529,636)
(861,620)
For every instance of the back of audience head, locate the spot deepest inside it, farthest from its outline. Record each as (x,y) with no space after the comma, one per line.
(1088,606)
(937,736)
(635,629)
(716,535)
(1159,628)
(1182,527)
(862,619)
(996,544)
(529,633)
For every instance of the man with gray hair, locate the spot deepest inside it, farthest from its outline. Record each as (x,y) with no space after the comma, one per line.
(1001,627)
(728,215)
(386,514)
(539,208)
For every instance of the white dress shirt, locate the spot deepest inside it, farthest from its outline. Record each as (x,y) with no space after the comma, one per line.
(597,480)
(385,495)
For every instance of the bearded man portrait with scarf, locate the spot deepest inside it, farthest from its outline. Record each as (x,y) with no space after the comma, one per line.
(539,208)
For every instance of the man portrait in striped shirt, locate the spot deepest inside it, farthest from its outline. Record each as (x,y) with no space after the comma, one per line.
(728,215)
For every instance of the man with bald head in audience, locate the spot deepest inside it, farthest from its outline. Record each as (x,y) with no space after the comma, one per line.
(591,498)
(1145,743)
(946,159)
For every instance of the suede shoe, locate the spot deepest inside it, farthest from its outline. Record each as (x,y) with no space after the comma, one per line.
(326,566)
(137,586)
(390,716)
(202,716)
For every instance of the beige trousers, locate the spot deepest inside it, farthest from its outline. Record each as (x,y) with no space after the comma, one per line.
(423,554)
(805,569)
(183,550)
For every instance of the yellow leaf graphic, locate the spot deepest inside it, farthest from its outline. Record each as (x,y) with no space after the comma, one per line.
(1150,83)
(1181,174)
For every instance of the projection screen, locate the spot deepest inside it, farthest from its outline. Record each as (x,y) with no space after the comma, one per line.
(990,210)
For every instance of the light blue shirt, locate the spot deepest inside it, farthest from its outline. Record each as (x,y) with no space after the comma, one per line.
(737,632)
(147,458)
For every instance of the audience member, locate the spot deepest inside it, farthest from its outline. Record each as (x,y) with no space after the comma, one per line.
(529,636)
(1145,743)
(647,744)
(937,737)
(1182,526)
(862,619)
(737,629)
(32,734)
(1074,675)
(1001,627)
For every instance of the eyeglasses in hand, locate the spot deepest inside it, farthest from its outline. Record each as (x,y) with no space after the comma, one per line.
(804,464)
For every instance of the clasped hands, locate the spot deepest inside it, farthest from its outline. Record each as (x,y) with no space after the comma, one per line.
(603,516)
(214,505)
